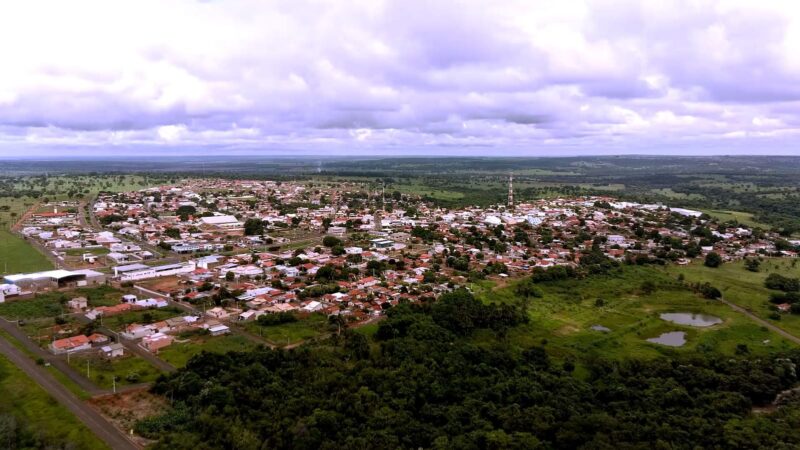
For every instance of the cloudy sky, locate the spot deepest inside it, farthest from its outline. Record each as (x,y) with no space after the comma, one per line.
(399,77)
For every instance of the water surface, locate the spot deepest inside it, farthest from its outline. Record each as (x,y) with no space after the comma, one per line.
(691,319)
(671,339)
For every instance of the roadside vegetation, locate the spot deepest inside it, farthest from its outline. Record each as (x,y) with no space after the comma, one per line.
(29,418)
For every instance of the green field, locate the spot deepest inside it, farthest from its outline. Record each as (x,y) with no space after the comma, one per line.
(184,347)
(741,217)
(290,333)
(745,288)
(50,304)
(96,251)
(120,321)
(18,256)
(563,317)
(128,369)
(43,422)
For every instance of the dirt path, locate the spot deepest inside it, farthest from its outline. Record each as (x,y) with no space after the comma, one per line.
(763,322)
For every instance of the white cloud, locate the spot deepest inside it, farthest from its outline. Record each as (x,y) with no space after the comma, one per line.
(315,74)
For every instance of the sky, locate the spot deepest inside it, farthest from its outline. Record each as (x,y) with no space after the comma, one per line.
(505,77)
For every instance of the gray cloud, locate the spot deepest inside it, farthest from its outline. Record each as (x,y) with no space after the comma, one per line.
(573,74)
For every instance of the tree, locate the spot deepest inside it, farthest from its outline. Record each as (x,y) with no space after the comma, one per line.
(254,227)
(374,267)
(185,211)
(752,264)
(174,233)
(648,287)
(713,260)
(229,276)
(331,241)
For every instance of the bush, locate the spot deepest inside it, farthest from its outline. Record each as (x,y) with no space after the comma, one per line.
(276,319)
(713,260)
(331,241)
(782,283)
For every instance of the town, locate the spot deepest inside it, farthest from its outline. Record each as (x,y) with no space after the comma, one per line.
(229,256)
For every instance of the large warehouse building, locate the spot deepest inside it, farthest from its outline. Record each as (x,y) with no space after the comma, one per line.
(55,279)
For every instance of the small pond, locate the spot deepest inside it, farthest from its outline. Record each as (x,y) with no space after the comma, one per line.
(600,328)
(691,319)
(672,339)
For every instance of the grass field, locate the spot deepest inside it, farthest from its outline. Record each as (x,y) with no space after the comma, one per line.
(564,316)
(96,251)
(739,216)
(430,191)
(18,256)
(50,304)
(120,321)
(179,353)
(38,414)
(292,332)
(129,369)
(745,288)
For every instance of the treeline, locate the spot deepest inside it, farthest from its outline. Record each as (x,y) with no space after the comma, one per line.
(423,382)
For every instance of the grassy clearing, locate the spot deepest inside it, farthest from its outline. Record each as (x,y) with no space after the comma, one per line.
(669,193)
(128,369)
(292,332)
(120,321)
(564,316)
(38,414)
(96,251)
(739,216)
(18,256)
(745,288)
(368,330)
(182,350)
(50,304)
(419,188)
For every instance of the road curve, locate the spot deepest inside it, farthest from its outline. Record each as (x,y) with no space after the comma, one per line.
(763,322)
(112,436)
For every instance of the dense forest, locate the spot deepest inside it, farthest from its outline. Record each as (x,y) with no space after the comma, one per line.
(422,381)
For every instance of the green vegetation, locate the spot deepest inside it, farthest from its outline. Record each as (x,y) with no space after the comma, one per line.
(187,346)
(18,256)
(427,385)
(569,308)
(51,304)
(29,418)
(119,321)
(128,369)
(96,251)
(744,287)
(289,333)
(736,216)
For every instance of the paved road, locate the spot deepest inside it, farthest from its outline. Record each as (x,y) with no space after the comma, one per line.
(763,322)
(131,346)
(112,436)
(194,311)
(57,361)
